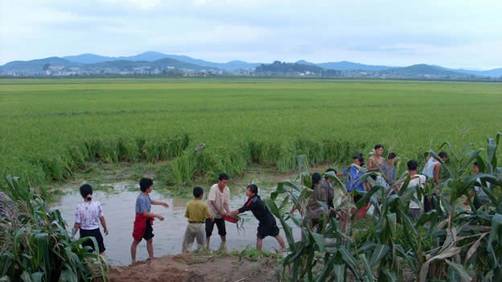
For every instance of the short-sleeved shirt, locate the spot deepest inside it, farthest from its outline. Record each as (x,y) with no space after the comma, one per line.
(197,211)
(221,199)
(417,181)
(259,210)
(87,214)
(428,169)
(354,181)
(143,203)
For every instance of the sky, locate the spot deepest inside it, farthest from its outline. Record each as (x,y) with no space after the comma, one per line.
(451,33)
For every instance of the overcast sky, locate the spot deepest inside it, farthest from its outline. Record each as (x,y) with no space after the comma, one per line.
(452,33)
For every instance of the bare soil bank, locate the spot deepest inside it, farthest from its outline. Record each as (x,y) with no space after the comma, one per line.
(184,268)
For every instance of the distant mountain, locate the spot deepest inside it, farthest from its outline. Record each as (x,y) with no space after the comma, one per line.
(423,71)
(88,59)
(34,67)
(350,66)
(156,63)
(278,68)
(303,62)
(237,65)
(493,73)
(94,59)
(146,56)
(55,66)
(151,56)
(129,65)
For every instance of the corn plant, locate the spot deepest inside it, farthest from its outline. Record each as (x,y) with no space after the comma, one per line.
(447,243)
(36,246)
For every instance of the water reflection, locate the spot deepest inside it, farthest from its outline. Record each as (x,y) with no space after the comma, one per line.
(118,202)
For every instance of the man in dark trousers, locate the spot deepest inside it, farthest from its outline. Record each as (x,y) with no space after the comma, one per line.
(267,225)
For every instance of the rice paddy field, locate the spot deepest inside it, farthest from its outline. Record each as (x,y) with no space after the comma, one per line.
(51,127)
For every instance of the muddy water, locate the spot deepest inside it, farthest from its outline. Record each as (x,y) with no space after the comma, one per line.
(119,203)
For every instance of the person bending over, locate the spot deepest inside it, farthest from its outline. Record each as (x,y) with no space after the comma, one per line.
(267,225)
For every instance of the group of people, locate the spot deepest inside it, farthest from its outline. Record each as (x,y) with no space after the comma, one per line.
(385,175)
(201,217)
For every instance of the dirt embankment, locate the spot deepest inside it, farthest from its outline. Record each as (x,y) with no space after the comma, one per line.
(184,268)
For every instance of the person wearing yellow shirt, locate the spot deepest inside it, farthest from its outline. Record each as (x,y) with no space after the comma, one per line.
(196,213)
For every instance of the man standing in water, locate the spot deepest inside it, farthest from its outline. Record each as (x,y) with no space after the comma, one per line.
(218,201)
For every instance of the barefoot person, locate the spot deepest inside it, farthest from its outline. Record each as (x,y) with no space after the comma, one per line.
(218,201)
(196,213)
(267,225)
(144,218)
(88,215)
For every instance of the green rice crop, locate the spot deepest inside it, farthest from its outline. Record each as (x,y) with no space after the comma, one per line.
(52,127)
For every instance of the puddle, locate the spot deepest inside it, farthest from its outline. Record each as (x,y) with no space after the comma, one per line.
(118,200)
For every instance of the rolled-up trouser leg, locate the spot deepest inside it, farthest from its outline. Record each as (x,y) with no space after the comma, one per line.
(194,231)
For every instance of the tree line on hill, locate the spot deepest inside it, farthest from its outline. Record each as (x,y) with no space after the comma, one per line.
(158,64)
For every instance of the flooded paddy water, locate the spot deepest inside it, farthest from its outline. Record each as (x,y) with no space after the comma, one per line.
(118,200)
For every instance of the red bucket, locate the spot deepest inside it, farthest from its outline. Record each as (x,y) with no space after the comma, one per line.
(231,219)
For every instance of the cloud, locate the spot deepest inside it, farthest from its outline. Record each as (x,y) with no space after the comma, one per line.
(397,32)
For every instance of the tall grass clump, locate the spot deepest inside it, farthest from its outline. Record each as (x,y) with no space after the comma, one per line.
(76,157)
(35,244)
(451,242)
(204,163)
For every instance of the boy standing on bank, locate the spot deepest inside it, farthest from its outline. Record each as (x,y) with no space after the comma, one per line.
(218,201)
(144,218)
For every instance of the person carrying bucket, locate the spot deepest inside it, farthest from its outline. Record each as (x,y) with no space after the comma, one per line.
(267,225)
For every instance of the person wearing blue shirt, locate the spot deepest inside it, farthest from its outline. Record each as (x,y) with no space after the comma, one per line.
(354,174)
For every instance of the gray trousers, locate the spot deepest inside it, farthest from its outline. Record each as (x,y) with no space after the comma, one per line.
(194,231)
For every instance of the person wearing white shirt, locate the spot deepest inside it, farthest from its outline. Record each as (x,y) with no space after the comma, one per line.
(417,181)
(218,201)
(433,170)
(88,215)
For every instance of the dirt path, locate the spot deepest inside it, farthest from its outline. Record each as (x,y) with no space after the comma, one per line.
(183,268)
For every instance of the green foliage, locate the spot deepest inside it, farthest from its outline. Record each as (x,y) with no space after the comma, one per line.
(36,245)
(448,243)
(254,255)
(51,127)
